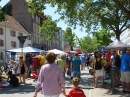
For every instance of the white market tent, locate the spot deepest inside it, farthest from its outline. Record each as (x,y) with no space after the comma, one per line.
(56,51)
(25,50)
(117,44)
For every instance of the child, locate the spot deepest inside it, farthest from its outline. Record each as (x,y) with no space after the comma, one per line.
(76,91)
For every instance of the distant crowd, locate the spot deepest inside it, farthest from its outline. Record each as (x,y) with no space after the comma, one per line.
(49,71)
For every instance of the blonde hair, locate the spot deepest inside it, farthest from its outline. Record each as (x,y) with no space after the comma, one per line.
(12,61)
(76,81)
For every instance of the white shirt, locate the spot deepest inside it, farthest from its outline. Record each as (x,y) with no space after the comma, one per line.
(14,66)
(113,61)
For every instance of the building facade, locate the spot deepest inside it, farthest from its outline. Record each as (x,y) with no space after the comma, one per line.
(19,10)
(9,30)
(125,36)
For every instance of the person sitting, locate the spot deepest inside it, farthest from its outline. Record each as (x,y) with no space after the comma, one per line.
(14,81)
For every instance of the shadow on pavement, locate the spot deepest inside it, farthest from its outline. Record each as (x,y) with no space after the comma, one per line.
(22,89)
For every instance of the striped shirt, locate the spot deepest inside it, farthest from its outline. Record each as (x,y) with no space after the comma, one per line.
(51,80)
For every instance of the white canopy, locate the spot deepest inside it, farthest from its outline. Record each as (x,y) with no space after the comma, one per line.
(25,50)
(116,44)
(56,51)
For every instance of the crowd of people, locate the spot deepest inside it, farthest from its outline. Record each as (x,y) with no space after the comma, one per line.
(51,70)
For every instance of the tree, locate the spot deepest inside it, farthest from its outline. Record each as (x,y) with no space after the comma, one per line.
(123,5)
(2,15)
(104,37)
(91,14)
(49,29)
(69,37)
(88,44)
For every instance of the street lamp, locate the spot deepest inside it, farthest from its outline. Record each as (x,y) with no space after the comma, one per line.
(6,22)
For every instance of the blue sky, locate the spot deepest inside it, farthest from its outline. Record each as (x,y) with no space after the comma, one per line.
(50,11)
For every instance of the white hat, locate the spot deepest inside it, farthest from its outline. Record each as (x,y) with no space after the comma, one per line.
(41,52)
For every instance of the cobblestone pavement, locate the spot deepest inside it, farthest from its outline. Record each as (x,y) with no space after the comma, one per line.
(28,89)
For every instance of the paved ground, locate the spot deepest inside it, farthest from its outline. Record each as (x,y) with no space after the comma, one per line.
(28,89)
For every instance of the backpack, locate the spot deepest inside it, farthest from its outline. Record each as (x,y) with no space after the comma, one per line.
(117,61)
(36,62)
(98,65)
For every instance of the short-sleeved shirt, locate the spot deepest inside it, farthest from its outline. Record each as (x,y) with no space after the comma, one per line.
(113,61)
(76,93)
(61,63)
(14,66)
(76,64)
(42,60)
(83,59)
(125,61)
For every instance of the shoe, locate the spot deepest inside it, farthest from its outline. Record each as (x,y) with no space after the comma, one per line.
(124,91)
(95,86)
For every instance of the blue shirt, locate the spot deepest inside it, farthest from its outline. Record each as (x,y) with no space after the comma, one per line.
(76,64)
(125,61)
(83,59)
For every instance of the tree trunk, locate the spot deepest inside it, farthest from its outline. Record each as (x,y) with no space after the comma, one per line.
(118,32)
(121,7)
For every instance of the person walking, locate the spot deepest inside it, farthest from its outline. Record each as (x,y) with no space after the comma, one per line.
(115,63)
(125,71)
(99,70)
(42,60)
(75,66)
(62,63)
(50,78)
(83,60)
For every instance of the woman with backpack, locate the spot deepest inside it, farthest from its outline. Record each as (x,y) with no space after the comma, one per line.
(99,70)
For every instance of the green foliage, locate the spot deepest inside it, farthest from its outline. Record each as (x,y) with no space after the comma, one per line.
(69,37)
(88,44)
(2,15)
(91,14)
(49,29)
(7,9)
(100,39)
(36,6)
(123,5)
(104,37)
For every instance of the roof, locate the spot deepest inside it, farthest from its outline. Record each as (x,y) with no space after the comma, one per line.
(13,23)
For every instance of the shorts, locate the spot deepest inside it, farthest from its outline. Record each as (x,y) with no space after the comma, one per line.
(51,96)
(76,74)
(116,71)
(99,73)
(125,77)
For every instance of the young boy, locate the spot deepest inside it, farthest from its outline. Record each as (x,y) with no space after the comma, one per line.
(76,91)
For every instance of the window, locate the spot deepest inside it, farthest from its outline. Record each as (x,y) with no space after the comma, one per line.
(29,37)
(38,30)
(1,55)
(1,31)
(1,42)
(13,43)
(29,44)
(20,34)
(12,33)
(35,29)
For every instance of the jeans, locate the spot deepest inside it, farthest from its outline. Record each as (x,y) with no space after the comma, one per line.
(76,74)
(63,74)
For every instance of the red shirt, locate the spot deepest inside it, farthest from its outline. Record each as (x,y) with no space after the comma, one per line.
(108,56)
(76,93)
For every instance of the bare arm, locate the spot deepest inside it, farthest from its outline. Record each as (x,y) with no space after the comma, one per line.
(25,66)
